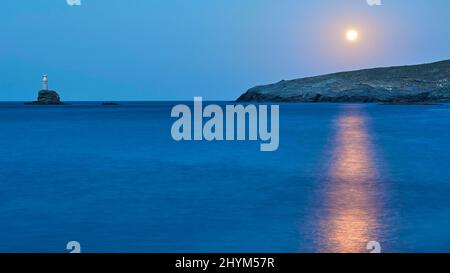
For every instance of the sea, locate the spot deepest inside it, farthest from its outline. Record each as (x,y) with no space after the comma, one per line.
(113,179)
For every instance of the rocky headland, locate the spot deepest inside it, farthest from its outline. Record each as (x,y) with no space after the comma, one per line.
(425,83)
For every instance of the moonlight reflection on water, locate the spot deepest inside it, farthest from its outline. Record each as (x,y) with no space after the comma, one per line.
(351,206)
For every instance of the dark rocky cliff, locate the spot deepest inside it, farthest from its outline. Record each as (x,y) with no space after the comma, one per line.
(401,84)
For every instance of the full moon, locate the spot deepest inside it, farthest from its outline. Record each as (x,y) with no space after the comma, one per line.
(352,35)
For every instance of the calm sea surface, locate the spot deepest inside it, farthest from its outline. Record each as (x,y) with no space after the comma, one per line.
(112,178)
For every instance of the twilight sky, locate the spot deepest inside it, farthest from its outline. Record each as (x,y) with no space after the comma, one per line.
(178,49)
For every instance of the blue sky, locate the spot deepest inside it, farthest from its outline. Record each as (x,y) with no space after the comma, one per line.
(178,49)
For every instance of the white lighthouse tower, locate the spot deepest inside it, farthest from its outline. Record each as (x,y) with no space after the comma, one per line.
(45,82)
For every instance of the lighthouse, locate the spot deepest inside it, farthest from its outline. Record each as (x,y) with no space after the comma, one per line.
(46,96)
(45,82)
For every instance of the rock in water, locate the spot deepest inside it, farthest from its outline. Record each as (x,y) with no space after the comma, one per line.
(402,84)
(48,97)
